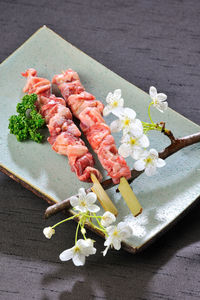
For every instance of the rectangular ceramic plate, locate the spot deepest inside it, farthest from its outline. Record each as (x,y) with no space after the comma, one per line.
(164,197)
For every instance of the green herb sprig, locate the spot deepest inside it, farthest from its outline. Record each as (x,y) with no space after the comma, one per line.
(27,123)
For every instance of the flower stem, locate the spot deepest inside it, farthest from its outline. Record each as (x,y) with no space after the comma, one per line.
(89,216)
(149,112)
(82,223)
(98,221)
(65,220)
(103,230)
(149,126)
(77,228)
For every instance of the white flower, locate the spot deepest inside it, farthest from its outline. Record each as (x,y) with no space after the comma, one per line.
(115,102)
(127,121)
(84,202)
(48,232)
(107,219)
(117,234)
(158,99)
(149,162)
(81,249)
(133,145)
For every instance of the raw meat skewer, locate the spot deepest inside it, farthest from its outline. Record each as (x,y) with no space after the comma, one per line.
(88,110)
(64,134)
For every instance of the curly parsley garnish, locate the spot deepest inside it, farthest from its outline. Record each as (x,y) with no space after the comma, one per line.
(25,125)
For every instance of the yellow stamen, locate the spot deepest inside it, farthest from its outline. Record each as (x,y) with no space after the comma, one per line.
(115,104)
(148,160)
(83,203)
(132,141)
(126,122)
(76,249)
(115,233)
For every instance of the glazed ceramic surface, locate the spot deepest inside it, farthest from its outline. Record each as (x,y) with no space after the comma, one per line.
(164,197)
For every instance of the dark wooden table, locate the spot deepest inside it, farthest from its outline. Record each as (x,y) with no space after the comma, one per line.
(148,43)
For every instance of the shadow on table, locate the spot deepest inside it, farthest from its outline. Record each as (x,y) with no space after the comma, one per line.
(119,275)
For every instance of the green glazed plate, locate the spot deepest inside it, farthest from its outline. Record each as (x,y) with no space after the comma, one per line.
(164,197)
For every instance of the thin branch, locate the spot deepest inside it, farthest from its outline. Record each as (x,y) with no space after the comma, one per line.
(176,145)
(168,133)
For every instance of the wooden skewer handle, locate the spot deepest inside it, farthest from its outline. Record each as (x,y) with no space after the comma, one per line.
(102,196)
(130,198)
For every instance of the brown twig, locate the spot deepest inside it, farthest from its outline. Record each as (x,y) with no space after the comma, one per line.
(176,145)
(168,133)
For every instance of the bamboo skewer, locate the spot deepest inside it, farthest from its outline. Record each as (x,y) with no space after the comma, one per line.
(102,196)
(129,197)
(126,192)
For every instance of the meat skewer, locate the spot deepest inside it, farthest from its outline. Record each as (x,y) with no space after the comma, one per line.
(64,134)
(88,110)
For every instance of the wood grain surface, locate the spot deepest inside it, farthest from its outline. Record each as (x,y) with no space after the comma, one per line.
(148,43)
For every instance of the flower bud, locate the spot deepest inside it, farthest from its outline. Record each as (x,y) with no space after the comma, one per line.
(48,232)
(83,231)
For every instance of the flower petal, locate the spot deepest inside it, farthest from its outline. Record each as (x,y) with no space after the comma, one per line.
(93,208)
(82,193)
(81,243)
(117,111)
(124,150)
(80,208)
(89,248)
(86,247)
(121,102)
(91,198)
(139,165)
(125,138)
(116,243)
(153,153)
(74,201)
(162,106)
(152,92)
(67,254)
(116,126)
(107,110)
(78,259)
(161,97)
(105,251)
(136,128)
(108,241)
(160,163)
(130,113)
(110,230)
(107,219)
(137,153)
(138,123)
(150,170)
(109,98)
(144,141)
(117,94)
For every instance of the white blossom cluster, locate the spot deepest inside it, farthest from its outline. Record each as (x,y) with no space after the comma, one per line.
(114,234)
(134,142)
